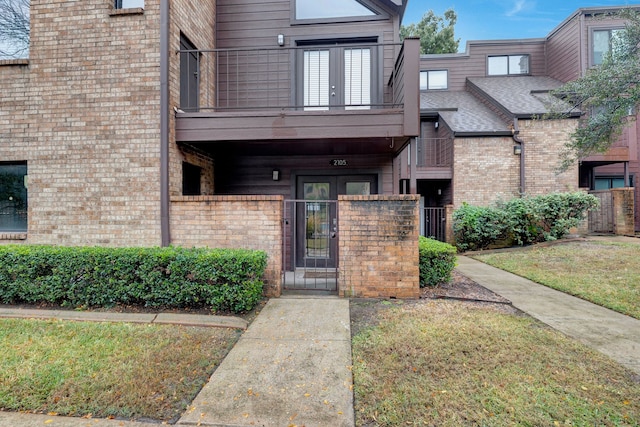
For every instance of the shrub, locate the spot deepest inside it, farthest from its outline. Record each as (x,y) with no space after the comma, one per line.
(437,261)
(476,227)
(523,220)
(151,277)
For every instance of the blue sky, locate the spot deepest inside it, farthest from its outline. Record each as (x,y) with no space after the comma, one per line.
(503,19)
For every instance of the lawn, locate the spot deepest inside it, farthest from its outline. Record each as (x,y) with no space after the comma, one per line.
(605,273)
(116,370)
(442,363)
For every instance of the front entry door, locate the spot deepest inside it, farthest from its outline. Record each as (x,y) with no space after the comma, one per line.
(317,215)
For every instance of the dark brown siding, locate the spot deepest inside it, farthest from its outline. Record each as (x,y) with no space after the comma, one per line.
(564,51)
(473,64)
(253,174)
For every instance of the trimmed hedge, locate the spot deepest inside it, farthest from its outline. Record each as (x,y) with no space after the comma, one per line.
(222,279)
(437,261)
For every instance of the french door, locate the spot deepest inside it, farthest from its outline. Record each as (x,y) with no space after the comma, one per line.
(317,231)
(336,77)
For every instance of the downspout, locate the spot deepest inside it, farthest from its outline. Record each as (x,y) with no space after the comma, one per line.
(164,123)
(515,130)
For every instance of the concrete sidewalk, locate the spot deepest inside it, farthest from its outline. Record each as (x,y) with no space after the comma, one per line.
(291,367)
(611,333)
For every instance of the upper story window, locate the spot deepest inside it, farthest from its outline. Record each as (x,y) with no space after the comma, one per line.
(331,9)
(506,65)
(433,80)
(15,29)
(602,43)
(129,4)
(13,197)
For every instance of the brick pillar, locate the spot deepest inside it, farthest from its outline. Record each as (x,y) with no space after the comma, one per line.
(378,246)
(623,211)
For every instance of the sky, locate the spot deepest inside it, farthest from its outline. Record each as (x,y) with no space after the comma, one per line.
(503,19)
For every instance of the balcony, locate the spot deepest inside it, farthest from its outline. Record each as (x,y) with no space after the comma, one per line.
(359,92)
(434,158)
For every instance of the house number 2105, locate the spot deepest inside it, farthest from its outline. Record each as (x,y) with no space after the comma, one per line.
(339,162)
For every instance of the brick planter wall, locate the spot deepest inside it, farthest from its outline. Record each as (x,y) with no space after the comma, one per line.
(248,222)
(623,211)
(378,247)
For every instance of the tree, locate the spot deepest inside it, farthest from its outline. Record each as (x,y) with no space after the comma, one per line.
(607,94)
(436,32)
(14,28)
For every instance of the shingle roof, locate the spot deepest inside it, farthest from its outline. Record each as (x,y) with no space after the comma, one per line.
(462,112)
(520,95)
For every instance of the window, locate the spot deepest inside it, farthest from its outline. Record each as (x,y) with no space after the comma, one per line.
(189,70)
(608,182)
(327,9)
(432,80)
(191,179)
(129,4)
(602,43)
(506,65)
(13,197)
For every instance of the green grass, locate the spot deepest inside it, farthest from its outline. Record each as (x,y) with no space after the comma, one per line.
(607,274)
(106,369)
(445,364)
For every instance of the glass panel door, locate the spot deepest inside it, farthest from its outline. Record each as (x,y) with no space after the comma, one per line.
(316,80)
(317,222)
(357,78)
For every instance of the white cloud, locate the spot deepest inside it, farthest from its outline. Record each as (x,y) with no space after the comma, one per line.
(519,6)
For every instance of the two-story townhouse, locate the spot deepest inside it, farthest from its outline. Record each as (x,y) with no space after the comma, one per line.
(481,138)
(218,123)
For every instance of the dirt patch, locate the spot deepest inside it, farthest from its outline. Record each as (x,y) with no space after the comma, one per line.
(364,311)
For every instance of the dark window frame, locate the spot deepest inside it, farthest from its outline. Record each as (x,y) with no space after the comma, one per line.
(427,72)
(191,179)
(592,54)
(508,57)
(14,199)
(118,5)
(380,15)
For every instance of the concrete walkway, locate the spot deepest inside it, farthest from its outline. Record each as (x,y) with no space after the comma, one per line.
(611,333)
(291,367)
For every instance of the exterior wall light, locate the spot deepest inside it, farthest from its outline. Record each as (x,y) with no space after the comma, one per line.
(517,150)
(280,39)
(275,175)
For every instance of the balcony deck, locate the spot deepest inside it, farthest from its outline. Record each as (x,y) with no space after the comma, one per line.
(243,104)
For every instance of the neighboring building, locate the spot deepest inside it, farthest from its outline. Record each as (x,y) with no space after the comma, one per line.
(482,139)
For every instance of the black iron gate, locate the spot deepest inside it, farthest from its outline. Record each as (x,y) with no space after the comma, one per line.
(434,223)
(310,240)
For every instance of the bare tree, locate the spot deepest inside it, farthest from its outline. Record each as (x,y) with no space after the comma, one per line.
(14,28)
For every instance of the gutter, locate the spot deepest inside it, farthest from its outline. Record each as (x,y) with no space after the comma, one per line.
(515,130)
(165,235)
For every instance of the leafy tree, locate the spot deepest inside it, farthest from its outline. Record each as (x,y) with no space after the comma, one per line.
(608,93)
(14,29)
(436,32)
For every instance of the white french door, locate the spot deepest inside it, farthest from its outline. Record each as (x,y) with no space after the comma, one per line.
(337,77)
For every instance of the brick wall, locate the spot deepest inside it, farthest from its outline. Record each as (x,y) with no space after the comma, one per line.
(196,20)
(544,142)
(250,222)
(84,115)
(378,247)
(486,170)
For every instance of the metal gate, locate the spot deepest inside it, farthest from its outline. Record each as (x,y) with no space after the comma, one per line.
(601,220)
(310,239)
(434,223)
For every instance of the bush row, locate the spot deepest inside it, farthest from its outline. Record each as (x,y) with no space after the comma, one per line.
(520,221)
(437,261)
(153,277)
